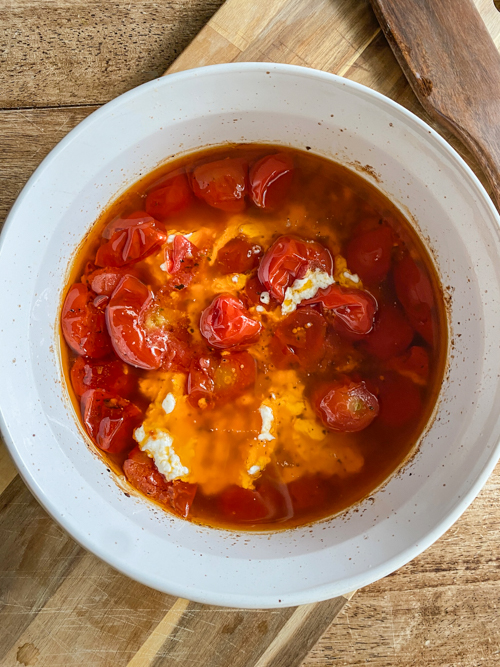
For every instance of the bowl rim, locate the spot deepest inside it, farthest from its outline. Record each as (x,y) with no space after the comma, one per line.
(306,595)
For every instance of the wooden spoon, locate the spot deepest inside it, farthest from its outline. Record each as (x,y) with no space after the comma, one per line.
(453,66)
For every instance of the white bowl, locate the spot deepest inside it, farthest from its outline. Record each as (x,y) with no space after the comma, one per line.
(243,103)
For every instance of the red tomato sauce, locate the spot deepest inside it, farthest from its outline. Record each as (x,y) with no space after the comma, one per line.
(253,337)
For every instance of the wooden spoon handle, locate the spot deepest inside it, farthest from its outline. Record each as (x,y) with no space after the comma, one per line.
(453,66)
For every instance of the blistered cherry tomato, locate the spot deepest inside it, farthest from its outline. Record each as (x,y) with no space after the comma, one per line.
(144,476)
(215,380)
(227,323)
(270,180)
(135,343)
(109,419)
(288,259)
(270,502)
(131,239)
(222,184)
(83,324)
(355,308)
(112,375)
(238,256)
(400,400)
(414,290)
(302,338)
(391,334)
(345,406)
(182,259)
(369,254)
(104,281)
(414,364)
(173,196)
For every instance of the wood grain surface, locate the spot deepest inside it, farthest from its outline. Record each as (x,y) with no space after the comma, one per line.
(59,605)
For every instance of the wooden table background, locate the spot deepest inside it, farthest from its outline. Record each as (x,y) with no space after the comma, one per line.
(59,61)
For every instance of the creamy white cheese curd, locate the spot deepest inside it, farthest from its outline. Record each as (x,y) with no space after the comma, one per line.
(235,279)
(351,276)
(168,403)
(265,298)
(158,446)
(267,421)
(260,309)
(305,288)
(253,470)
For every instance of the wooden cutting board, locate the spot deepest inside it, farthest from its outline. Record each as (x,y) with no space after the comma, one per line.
(70,608)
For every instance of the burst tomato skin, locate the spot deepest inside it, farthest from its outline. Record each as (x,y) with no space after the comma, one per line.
(144,476)
(391,335)
(300,340)
(183,252)
(112,375)
(83,323)
(369,254)
(226,323)
(414,291)
(270,180)
(288,259)
(109,419)
(222,184)
(130,240)
(217,380)
(238,256)
(135,344)
(173,196)
(354,308)
(105,281)
(345,405)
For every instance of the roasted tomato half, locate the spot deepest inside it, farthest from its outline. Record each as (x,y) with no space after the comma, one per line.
(217,379)
(222,184)
(112,375)
(170,196)
(299,340)
(414,290)
(289,259)
(227,323)
(109,419)
(238,256)
(345,405)
(83,323)
(270,180)
(354,308)
(369,253)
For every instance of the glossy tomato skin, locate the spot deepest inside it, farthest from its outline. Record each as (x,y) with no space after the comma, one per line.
(269,502)
(238,256)
(110,374)
(345,405)
(369,254)
(182,261)
(130,240)
(222,184)
(253,291)
(226,323)
(400,400)
(83,324)
(414,291)
(173,196)
(288,259)
(391,335)
(109,419)
(217,380)
(270,180)
(144,476)
(301,337)
(147,348)
(355,308)
(105,281)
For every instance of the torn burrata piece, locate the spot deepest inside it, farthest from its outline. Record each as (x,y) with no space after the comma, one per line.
(305,288)
(158,445)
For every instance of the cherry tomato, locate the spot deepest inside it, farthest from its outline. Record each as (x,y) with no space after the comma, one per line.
(131,239)
(302,334)
(83,324)
(238,256)
(369,254)
(345,406)
(182,260)
(104,281)
(222,184)
(270,180)
(270,502)
(109,419)
(288,259)
(355,308)
(138,345)
(144,476)
(414,363)
(400,401)
(216,380)
(227,323)
(114,376)
(253,290)
(391,334)
(173,196)
(414,290)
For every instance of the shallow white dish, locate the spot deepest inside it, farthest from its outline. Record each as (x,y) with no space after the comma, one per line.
(243,103)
